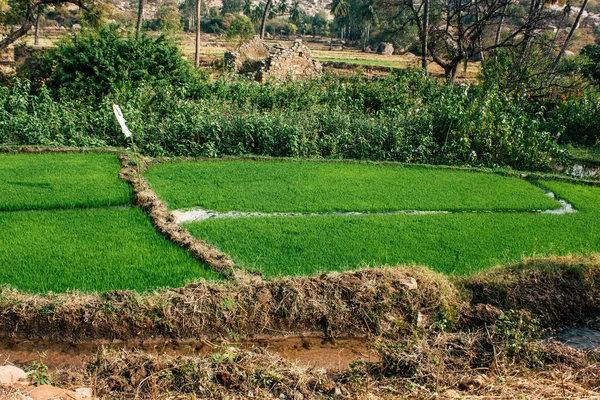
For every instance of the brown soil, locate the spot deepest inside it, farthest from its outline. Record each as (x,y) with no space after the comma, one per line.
(310,351)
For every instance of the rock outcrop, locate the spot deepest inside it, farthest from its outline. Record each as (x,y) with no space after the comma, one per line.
(385,49)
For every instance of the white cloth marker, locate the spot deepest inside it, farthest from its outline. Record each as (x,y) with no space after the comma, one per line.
(121,120)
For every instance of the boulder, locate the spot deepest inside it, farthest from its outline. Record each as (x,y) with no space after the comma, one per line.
(11,374)
(385,49)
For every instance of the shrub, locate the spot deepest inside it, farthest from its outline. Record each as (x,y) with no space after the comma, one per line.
(96,63)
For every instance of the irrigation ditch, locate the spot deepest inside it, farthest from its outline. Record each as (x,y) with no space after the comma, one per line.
(371,333)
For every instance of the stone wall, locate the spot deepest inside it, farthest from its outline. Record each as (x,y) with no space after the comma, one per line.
(278,62)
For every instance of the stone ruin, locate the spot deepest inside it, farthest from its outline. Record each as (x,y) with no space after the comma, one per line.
(263,62)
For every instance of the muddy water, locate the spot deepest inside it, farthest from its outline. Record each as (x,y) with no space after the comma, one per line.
(582,338)
(310,351)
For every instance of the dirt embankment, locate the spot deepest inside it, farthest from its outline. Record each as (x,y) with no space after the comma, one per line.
(483,336)
(434,336)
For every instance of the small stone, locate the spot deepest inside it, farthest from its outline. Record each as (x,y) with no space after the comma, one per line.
(47,392)
(85,392)
(11,374)
(472,382)
(409,283)
(298,395)
(337,391)
(484,314)
(421,319)
(451,394)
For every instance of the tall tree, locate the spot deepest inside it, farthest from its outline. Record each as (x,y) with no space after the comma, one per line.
(264,18)
(247,8)
(339,9)
(368,14)
(568,39)
(140,17)
(282,8)
(295,11)
(25,12)
(36,36)
(197,50)
(425,35)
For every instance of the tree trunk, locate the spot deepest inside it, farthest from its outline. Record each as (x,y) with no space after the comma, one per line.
(264,19)
(19,33)
(568,39)
(36,36)
(425,35)
(197,52)
(138,26)
(499,30)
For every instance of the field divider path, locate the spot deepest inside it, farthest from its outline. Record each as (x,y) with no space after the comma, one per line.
(163,221)
(199,214)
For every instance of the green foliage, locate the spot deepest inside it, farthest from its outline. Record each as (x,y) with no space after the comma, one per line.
(591,63)
(280,186)
(45,181)
(240,27)
(38,371)
(231,6)
(406,117)
(99,62)
(578,117)
(459,243)
(515,336)
(167,18)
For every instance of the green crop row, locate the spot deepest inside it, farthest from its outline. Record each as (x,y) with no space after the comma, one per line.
(287,186)
(458,243)
(47,181)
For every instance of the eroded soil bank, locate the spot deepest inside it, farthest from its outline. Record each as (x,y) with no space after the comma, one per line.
(421,335)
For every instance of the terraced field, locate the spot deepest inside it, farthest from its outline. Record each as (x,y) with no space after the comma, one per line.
(68,224)
(468,221)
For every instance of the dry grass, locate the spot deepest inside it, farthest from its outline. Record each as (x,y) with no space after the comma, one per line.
(369,302)
(555,290)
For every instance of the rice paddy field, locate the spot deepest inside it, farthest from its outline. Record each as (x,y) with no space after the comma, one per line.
(68,224)
(491,218)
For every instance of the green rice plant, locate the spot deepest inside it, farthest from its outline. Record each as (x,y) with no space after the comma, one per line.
(47,181)
(457,243)
(90,250)
(288,186)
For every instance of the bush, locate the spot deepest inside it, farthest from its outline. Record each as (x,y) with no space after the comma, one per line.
(96,63)
(241,27)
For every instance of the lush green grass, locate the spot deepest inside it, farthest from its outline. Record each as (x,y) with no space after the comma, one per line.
(287,186)
(47,181)
(585,154)
(453,243)
(357,61)
(90,249)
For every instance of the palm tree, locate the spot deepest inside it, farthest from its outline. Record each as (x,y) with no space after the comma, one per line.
(295,11)
(369,15)
(264,18)
(282,8)
(339,9)
(257,12)
(247,8)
